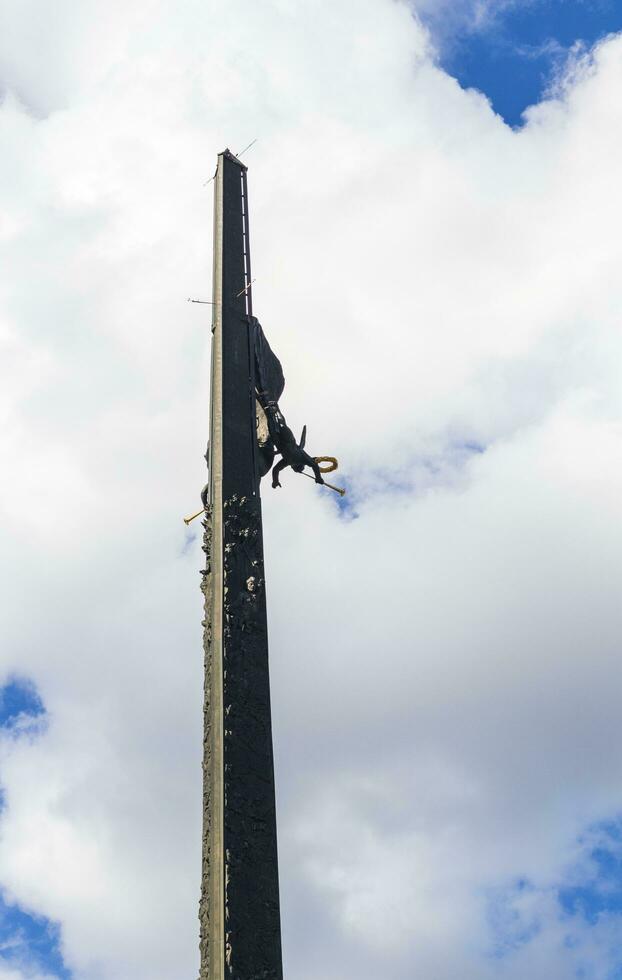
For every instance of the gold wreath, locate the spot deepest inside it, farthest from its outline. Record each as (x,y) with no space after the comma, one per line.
(333,464)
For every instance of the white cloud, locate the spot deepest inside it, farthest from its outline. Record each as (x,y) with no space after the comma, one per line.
(445,667)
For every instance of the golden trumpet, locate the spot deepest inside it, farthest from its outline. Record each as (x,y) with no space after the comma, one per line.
(188,519)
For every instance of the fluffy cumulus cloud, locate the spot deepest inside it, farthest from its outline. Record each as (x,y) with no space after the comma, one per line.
(445,296)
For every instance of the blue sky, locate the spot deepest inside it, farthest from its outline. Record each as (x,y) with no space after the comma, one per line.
(515,54)
(27,940)
(599,892)
(589,899)
(30,941)
(18,697)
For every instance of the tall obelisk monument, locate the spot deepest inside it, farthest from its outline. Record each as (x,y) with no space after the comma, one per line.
(239,911)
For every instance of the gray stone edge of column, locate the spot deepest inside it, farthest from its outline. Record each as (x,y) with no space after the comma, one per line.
(212,902)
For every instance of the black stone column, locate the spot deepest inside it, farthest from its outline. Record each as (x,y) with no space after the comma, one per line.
(243,942)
